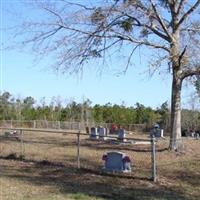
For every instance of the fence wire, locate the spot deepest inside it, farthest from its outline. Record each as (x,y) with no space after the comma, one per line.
(63,148)
(66,125)
(54,148)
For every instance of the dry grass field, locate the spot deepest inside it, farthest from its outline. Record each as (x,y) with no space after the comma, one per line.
(48,170)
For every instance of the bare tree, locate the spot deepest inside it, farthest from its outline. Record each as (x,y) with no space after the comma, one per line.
(76,32)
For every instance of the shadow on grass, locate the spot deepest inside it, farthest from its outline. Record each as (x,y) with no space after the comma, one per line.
(190,178)
(188,174)
(72,181)
(87,166)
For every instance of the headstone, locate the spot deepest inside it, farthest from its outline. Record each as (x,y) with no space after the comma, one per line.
(94,133)
(162,133)
(156,131)
(197,135)
(192,133)
(121,135)
(102,133)
(107,131)
(117,162)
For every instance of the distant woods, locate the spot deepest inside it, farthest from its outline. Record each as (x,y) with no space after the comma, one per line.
(28,108)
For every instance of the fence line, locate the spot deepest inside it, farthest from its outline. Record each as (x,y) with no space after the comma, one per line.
(67,125)
(71,132)
(82,148)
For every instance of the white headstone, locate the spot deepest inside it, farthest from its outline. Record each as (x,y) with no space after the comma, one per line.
(102,133)
(192,133)
(94,133)
(197,136)
(162,133)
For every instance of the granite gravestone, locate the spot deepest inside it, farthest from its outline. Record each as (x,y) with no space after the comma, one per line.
(116,162)
(102,133)
(121,135)
(94,133)
(156,131)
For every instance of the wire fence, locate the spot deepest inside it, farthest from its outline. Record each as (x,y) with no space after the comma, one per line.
(75,149)
(149,158)
(66,125)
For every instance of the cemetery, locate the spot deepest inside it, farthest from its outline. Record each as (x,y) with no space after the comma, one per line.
(101,157)
(83,143)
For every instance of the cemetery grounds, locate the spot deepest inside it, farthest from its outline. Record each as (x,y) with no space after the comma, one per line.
(44,167)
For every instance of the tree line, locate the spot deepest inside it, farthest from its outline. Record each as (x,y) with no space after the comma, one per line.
(27,108)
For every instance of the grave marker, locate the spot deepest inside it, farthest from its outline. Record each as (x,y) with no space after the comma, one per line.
(116,162)
(94,133)
(156,131)
(102,133)
(121,135)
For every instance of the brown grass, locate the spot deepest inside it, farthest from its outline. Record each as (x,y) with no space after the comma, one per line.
(49,170)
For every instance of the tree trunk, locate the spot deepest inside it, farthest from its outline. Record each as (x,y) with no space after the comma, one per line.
(175,138)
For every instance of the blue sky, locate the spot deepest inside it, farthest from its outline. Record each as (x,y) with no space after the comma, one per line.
(21,76)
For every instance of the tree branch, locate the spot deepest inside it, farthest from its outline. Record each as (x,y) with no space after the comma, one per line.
(109,46)
(54,13)
(137,41)
(183,18)
(180,7)
(190,72)
(44,35)
(79,5)
(129,58)
(182,54)
(158,33)
(161,21)
(154,30)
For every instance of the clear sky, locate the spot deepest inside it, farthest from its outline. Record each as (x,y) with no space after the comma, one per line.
(21,76)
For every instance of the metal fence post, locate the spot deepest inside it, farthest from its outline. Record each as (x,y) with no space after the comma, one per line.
(78,149)
(34,124)
(153,158)
(58,124)
(22,144)
(47,124)
(79,125)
